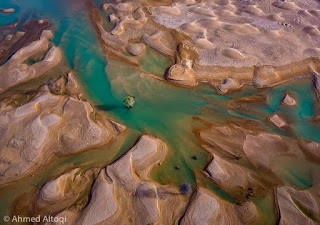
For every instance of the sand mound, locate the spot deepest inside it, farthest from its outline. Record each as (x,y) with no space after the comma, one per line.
(286,5)
(229,84)
(232,53)
(190,28)
(202,11)
(312,30)
(182,75)
(259,28)
(209,23)
(309,52)
(275,17)
(189,2)
(222,2)
(207,208)
(203,43)
(7,11)
(277,121)
(252,9)
(241,29)
(288,100)
(136,49)
(316,13)
(175,11)
(124,7)
(224,13)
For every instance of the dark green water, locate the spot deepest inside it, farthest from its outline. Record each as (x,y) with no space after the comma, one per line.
(161,110)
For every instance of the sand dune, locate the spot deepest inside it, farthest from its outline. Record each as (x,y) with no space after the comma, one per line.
(286,5)
(175,11)
(252,9)
(312,30)
(232,53)
(208,23)
(315,13)
(202,11)
(203,43)
(275,17)
(228,34)
(260,28)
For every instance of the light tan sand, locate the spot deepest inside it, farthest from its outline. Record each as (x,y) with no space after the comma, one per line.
(260,43)
(247,33)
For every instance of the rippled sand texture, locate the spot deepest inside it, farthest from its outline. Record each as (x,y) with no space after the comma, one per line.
(51,123)
(246,33)
(253,42)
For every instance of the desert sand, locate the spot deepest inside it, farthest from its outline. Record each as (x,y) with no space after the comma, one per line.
(261,43)
(32,131)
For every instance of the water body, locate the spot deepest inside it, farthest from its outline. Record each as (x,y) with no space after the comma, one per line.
(162,110)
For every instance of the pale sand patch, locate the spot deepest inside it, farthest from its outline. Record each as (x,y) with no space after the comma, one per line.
(272,32)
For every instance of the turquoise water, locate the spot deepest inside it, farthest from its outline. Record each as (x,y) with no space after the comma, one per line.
(161,109)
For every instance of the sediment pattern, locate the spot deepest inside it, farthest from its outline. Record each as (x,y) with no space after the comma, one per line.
(230,43)
(50,123)
(124,193)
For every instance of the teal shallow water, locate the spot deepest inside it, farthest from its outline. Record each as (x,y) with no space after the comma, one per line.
(161,110)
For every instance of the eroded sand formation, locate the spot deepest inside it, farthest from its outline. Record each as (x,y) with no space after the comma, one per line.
(122,193)
(51,123)
(225,43)
(17,71)
(241,154)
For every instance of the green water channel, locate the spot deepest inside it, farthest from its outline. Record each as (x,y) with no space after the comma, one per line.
(161,110)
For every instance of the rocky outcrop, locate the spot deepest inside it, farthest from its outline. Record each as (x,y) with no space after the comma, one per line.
(16,71)
(136,49)
(127,15)
(182,75)
(7,11)
(265,76)
(48,124)
(182,72)
(229,84)
(277,121)
(288,100)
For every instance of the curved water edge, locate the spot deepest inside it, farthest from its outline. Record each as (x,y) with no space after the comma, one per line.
(162,110)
